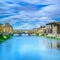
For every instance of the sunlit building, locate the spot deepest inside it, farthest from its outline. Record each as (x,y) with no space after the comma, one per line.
(1,27)
(35,30)
(42,30)
(8,29)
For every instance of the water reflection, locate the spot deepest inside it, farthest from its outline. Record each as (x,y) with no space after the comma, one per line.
(30,48)
(50,44)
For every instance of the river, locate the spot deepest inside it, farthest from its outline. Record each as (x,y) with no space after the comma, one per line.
(30,48)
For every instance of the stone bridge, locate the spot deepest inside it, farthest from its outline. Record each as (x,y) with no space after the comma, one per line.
(20,32)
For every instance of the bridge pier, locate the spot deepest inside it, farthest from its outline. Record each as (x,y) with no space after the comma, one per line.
(29,34)
(20,34)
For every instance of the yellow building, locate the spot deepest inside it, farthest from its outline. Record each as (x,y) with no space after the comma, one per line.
(1,27)
(8,28)
(39,31)
(35,30)
(42,30)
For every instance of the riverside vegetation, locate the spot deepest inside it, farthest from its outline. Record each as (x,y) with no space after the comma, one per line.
(5,37)
(50,37)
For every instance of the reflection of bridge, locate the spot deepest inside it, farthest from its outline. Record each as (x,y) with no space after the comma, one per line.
(20,32)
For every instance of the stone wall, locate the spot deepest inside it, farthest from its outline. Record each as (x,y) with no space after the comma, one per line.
(58,29)
(54,29)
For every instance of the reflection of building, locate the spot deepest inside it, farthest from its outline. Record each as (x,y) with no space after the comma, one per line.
(1,27)
(8,29)
(53,29)
(53,44)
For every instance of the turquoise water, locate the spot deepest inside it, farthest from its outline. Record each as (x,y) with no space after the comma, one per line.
(30,48)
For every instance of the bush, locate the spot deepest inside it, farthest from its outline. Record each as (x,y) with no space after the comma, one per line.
(1,36)
(9,36)
(5,37)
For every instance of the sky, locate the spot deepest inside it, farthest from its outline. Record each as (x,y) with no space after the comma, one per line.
(28,14)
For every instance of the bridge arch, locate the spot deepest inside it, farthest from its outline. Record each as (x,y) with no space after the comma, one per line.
(21,32)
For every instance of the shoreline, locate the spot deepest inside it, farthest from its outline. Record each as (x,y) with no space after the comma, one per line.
(50,37)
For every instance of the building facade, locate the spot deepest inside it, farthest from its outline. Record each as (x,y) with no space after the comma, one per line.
(53,29)
(8,29)
(40,31)
(1,28)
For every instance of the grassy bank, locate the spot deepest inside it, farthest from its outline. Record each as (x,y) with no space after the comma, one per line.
(5,37)
(50,37)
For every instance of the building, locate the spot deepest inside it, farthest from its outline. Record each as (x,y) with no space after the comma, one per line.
(53,29)
(1,27)
(30,32)
(42,30)
(35,30)
(7,29)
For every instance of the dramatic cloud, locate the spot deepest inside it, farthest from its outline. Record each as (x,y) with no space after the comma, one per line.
(24,26)
(27,14)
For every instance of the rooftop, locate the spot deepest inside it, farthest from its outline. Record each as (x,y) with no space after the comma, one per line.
(58,23)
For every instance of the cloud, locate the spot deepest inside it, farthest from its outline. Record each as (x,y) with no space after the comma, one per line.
(24,26)
(32,1)
(42,1)
(29,13)
(51,11)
